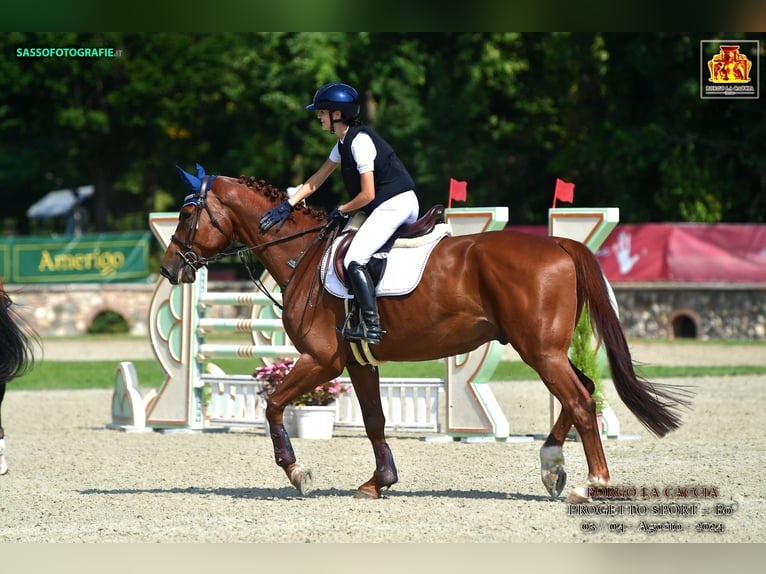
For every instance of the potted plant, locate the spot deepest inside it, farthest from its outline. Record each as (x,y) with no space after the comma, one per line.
(311,415)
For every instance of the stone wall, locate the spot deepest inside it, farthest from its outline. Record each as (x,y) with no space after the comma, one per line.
(69,309)
(647,311)
(674,310)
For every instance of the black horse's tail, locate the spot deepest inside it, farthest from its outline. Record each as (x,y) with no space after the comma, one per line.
(655,405)
(17,341)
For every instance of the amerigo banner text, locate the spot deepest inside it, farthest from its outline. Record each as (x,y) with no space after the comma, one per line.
(91,258)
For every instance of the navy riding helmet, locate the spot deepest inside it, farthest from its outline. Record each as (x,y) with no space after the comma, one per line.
(337,96)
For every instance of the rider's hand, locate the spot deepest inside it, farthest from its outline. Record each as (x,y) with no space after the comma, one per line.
(337,218)
(276,215)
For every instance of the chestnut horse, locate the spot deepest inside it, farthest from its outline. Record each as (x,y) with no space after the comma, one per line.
(15,356)
(515,288)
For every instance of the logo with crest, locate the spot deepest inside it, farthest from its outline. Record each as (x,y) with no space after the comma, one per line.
(727,69)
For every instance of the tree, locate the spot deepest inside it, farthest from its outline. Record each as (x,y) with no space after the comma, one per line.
(618,114)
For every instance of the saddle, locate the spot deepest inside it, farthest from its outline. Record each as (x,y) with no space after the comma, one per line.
(377,264)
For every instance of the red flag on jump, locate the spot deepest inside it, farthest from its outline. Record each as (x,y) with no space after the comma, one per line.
(458,190)
(564,191)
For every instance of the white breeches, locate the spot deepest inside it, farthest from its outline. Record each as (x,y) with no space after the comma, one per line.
(380,226)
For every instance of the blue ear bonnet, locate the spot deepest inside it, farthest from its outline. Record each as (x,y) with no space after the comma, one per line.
(194,184)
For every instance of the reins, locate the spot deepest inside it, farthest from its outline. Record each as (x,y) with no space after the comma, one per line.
(293,263)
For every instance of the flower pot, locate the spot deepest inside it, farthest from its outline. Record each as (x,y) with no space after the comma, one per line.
(315,422)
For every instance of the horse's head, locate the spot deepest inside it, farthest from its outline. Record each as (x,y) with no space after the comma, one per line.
(219,211)
(202,231)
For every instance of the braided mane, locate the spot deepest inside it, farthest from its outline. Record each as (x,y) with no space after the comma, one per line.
(278,195)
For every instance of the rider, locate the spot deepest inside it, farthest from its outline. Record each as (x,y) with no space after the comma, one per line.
(378,184)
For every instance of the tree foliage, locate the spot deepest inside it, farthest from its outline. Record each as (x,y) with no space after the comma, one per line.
(618,114)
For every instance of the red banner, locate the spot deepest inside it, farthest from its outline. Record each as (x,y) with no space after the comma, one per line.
(685,252)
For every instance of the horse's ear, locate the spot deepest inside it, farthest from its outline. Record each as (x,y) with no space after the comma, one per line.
(194,183)
(200,171)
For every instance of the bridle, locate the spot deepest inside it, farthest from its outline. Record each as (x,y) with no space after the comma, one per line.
(193,259)
(190,257)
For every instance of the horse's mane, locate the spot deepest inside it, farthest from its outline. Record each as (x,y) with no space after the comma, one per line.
(278,195)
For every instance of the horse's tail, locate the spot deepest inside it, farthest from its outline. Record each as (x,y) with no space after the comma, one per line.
(655,405)
(16,342)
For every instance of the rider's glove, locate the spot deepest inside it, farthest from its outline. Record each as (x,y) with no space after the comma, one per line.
(337,218)
(276,215)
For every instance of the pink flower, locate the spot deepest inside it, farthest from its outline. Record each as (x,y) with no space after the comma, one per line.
(273,375)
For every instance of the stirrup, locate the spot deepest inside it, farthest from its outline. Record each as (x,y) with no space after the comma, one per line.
(371,337)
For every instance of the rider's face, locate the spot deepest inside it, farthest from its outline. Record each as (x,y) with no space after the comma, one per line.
(324,118)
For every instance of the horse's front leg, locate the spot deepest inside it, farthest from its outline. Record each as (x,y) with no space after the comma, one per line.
(305,375)
(3,462)
(300,476)
(366,381)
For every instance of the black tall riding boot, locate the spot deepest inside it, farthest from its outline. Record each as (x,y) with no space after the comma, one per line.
(369,328)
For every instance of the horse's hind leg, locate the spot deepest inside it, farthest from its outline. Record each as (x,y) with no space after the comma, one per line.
(552,469)
(573,390)
(366,381)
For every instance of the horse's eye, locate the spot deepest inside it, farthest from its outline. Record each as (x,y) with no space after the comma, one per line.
(184,215)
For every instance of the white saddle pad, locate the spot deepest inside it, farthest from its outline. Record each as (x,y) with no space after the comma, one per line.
(406,262)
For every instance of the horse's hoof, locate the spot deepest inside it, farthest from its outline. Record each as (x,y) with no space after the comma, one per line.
(365,494)
(579,496)
(302,479)
(586,493)
(554,481)
(368,491)
(552,470)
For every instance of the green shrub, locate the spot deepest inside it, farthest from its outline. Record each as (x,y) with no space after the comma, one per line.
(108,323)
(584,357)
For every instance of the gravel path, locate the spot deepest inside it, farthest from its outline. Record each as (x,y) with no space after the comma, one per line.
(72,480)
